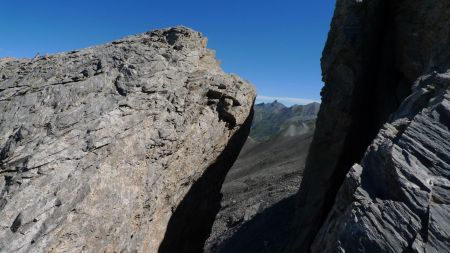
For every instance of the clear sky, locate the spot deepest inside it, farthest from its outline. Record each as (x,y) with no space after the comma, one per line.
(276,45)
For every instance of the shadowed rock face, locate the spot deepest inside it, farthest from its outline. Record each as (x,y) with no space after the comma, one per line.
(99,147)
(398,198)
(381,67)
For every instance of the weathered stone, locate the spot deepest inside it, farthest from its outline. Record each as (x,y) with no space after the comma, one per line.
(98,147)
(376,50)
(398,199)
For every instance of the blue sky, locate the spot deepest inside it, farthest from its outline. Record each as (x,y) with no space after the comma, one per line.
(274,44)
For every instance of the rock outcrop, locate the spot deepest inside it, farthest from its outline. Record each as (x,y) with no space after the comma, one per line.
(105,148)
(382,133)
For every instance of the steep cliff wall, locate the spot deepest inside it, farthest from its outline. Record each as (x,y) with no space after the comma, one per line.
(376,51)
(102,149)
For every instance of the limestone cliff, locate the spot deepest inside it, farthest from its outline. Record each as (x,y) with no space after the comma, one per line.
(385,118)
(103,149)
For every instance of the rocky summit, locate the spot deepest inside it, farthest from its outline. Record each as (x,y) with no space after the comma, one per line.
(118,148)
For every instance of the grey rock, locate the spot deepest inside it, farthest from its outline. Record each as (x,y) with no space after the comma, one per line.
(98,147)
(376,50)
(398,200)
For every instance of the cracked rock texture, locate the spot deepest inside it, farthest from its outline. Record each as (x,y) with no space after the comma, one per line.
(98,147)
(398,198)
(377,175)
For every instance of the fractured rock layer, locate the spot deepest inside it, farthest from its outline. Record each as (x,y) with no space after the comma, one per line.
(376,51)
(98,147)
(398,198)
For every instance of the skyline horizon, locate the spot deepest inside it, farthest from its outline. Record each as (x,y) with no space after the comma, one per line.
(286,101)
(277,47)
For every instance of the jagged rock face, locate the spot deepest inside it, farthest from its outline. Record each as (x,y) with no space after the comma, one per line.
(99,147)
(398,198)
(376,51)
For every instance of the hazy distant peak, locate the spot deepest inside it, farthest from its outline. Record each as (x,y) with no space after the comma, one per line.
(272,119)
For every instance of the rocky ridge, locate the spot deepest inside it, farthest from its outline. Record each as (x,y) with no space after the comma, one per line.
(101,149)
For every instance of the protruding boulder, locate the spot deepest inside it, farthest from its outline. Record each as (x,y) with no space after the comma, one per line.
(98,147)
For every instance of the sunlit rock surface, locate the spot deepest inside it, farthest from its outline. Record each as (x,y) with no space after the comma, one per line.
(98,147)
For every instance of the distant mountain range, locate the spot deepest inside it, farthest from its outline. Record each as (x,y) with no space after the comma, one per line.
(273,119)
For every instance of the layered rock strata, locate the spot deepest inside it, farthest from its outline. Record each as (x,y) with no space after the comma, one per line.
(398,198)
(382,133)
(101,147)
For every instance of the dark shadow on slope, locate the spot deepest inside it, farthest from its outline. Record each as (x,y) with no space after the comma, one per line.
(266,232)
(190,224)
